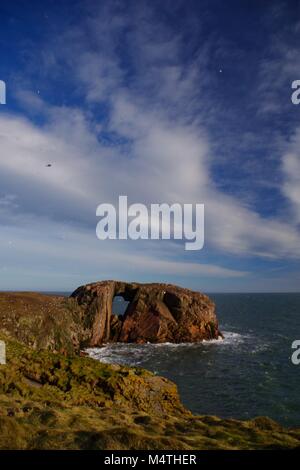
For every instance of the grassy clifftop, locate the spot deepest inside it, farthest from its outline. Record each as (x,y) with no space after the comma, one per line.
(50,400)
(42,321)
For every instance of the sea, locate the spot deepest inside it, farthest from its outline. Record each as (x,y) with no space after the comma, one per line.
(247,374)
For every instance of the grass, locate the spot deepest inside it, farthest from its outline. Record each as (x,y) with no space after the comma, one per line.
(59,400)
(49,401)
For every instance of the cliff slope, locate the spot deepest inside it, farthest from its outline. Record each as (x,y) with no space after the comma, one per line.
(49,401)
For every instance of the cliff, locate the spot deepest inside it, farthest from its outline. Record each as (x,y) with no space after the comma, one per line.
(49,401)
(52,398)
(42,321)
(156,313)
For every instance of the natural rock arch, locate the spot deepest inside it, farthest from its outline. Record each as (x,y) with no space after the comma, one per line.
(156,313)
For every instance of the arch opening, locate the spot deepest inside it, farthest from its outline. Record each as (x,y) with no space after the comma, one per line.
(119,305)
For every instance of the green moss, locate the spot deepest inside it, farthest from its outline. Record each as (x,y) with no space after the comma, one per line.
(42,321)
(49,401)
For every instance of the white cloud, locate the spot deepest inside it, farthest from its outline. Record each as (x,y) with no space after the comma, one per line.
(168,163)
(166,157)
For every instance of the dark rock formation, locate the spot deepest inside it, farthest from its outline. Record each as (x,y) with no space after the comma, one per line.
(156,313)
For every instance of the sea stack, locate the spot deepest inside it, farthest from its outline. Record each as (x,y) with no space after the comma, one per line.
(156,313)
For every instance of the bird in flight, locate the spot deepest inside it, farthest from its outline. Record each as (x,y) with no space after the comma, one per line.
(49,165)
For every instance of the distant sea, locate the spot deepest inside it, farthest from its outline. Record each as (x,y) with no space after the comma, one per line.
(247,374)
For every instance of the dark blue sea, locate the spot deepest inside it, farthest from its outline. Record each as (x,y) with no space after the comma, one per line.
(248,374)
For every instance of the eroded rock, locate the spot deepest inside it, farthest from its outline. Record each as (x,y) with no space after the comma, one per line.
(156,313)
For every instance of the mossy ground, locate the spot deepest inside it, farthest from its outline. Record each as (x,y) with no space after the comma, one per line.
(48,401)
(42,321)
(58,401)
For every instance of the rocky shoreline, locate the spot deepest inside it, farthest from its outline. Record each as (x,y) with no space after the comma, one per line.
(52,398)
(156,313)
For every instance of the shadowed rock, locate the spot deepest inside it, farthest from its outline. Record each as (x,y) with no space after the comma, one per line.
(156,313)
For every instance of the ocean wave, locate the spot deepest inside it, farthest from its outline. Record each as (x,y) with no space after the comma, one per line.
(137,354)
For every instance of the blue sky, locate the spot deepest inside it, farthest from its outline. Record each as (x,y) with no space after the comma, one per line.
(173,101)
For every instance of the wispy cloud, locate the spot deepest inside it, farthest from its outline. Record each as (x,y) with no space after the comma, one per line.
(141,123)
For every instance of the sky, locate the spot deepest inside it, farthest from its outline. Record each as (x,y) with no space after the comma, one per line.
(162,101)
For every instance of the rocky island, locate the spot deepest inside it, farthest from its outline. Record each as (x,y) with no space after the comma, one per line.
(157,313)
(52,398)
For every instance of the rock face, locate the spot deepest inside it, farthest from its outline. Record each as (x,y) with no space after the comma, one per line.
(156,313)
